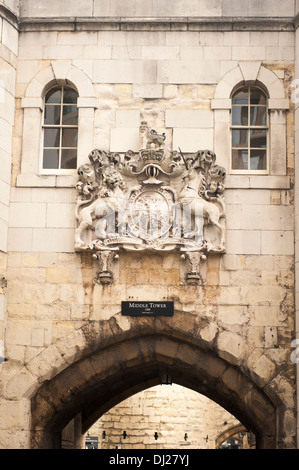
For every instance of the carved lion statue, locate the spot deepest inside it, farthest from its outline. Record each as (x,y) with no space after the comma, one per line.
(109,200)
(190,197)
(150,137)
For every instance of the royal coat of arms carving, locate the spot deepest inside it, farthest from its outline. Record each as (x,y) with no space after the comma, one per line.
(151,200)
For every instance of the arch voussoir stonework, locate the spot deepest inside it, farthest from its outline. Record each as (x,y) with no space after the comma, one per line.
(116,366)
(59,72)
(252,72)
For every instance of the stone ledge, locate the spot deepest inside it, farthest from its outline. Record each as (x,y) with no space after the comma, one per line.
(232,181)
(87,102)
(257,182)
(278,103)
(273,104)
(32,102)
(46,181)
(157,23)
(221,103)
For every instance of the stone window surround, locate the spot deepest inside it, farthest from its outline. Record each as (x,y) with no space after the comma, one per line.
(252,73)
(60,72)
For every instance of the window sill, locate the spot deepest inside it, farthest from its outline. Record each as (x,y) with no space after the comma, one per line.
(47,181)
(257,182)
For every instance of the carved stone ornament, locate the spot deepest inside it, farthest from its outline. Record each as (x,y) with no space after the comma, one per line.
(151,200)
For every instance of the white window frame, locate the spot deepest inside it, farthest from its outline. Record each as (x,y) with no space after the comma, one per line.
(57,171)
(250,171)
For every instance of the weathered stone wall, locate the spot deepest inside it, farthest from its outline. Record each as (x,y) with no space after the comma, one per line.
(155,8)
(8,65)
(296,116)
(176,79)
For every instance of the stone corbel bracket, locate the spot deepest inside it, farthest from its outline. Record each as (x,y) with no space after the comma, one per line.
(105,260)
(194,261)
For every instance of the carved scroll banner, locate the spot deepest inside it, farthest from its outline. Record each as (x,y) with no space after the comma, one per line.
(151,200)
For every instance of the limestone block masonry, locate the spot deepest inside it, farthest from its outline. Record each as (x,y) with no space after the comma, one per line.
(8,66)
(68,354)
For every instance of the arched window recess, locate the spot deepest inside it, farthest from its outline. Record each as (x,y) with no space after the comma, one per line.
(56,136)
(250,108)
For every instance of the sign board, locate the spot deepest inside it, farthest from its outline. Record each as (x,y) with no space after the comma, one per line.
(91,442)
(147,309)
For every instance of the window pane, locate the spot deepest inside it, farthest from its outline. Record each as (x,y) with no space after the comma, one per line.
(240,159)
(69,115)
(70,95)
(241,97)
(258,115)
(51,159)
(69,137)
(68,159)
(240,116)
(258,160)
(54,95)
(249,144)
(51,137)
(60,140)
(258,138)
(240,138)
(257,96)
(52,115)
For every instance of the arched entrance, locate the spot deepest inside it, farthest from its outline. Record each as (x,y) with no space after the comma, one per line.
(231,432)
(128,364)
(167,416)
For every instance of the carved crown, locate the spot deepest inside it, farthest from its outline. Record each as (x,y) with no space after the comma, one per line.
(151,155)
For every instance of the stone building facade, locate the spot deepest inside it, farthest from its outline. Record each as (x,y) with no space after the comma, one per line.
(216,79)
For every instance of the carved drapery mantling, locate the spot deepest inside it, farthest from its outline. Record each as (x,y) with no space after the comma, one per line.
(151,200)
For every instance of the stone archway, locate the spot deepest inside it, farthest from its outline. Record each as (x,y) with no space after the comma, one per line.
(228,433)
(129,364)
